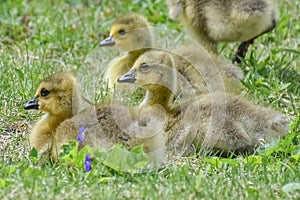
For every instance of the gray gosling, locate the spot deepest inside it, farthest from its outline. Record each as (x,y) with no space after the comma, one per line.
(116,124)
(217,73)
(204,73)
(225,21)
(221,122)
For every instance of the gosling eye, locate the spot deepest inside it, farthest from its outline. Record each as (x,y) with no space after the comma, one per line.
(144,67)
(122,32)
(44,92)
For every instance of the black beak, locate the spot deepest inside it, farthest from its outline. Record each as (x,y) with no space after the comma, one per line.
(32,104)
(128,77)
(107,42)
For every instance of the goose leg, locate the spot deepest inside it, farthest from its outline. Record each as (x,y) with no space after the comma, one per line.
(242,50)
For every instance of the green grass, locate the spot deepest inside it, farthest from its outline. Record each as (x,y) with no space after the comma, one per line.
(38,39)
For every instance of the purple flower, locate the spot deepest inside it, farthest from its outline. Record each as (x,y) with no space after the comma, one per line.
(81,134)
(87,163)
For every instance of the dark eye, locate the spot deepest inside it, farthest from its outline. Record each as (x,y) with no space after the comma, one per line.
(122,32)
(44,92)
(144,67)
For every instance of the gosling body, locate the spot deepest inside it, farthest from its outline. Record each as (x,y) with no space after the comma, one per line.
(221,122)
(116,124)
(225,20)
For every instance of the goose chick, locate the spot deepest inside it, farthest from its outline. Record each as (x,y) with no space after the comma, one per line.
(225,21)
(222,122)
(132,34)
(203,73)
(106,125)
(57,95)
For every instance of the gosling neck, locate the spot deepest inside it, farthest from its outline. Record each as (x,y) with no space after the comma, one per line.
(62,116)
(56,120)
(203,38)
(134,54)
(161,95)
(67,110)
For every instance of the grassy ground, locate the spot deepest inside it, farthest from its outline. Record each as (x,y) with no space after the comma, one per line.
(40,38)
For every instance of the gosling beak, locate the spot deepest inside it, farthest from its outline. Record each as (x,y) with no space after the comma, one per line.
(107,42)
(128,77)
(32,104)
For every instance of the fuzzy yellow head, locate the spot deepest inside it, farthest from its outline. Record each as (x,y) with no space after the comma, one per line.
(56,95)
(154,69)
(131,32)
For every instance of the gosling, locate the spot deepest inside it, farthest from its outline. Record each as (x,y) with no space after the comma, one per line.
(223,123)
(106,125)
(58,97)
(202,72)
(131,33)
(226,21)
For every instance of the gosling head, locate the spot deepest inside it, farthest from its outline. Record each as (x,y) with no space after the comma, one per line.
(56,95)
(130,32)
(151,70)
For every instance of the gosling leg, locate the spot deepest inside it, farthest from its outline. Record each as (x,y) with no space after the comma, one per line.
(243,48)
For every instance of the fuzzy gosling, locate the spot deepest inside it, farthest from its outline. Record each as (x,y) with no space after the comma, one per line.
(106,125)
(221,122)
(132,34)
(225,21)
(58,97)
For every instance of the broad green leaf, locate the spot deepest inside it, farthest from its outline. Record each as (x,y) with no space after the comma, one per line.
(2,183)
(253,159)
(12,169)
(213,161)
(69,151)
(229,161)
(31,172)
(34,156)
(122,160)
(33,153)
(138,158)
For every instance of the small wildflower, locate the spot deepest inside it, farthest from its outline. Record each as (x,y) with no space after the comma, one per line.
(87,163)
(81,134)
